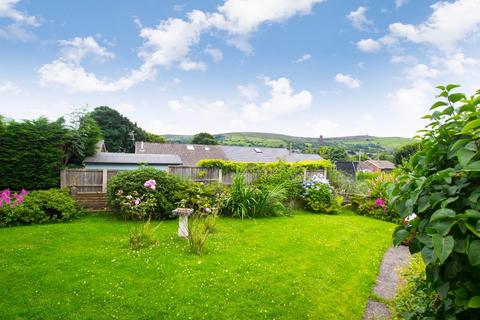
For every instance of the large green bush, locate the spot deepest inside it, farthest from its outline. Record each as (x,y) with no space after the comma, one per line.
(167,195)
(42,206)
(320,196)
(443,190)
(235,166)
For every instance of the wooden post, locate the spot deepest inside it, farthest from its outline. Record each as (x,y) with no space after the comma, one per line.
(304,173)
(220,176)
(63,179)
(104,180)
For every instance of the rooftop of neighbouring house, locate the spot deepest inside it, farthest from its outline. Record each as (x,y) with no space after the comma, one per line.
(133,158)
(382,164)
(191,154)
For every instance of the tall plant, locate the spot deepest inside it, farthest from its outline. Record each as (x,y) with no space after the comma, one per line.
(443,190)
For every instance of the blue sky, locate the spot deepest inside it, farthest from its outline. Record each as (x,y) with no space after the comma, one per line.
(300,67)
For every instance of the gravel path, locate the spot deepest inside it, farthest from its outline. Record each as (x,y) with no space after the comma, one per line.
(387,282)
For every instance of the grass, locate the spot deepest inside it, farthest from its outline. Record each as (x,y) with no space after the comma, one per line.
(301,267)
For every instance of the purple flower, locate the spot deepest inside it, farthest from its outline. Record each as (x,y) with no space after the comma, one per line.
(23,192)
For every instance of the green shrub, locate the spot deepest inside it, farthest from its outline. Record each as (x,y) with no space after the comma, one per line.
(319,196)
(200,196)
(373,207)
(290,177)
(235,166)
(42,206)
(248,201)
(166,197)
(443,190)
(415,299)
(366,175)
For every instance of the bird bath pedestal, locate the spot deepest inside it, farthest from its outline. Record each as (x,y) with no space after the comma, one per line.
(183,214)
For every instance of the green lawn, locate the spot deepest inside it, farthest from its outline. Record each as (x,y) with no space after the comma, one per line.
(301,267)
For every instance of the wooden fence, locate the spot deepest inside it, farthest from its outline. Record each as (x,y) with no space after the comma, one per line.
(95,180)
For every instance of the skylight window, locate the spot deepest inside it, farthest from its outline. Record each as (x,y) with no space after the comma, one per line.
(190,148)
(258,150)
(207,148)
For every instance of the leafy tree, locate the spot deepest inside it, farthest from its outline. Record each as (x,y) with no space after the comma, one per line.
(85,134)
(118,131)
(151,137)
(405,152)
(32,153)
(333,153)
(203,138)
(308,148)
(443,190)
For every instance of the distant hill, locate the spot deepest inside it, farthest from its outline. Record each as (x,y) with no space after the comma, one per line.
(367,144)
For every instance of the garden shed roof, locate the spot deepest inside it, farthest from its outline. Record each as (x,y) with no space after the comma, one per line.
(133,158)
(382,164)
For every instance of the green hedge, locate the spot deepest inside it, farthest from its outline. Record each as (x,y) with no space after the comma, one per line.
(233,166)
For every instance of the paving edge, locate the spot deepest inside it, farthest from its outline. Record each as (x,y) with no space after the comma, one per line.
(387,282)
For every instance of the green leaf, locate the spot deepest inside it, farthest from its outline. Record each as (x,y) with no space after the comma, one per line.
(452,86)
(440,87)
(442,247)
(460,246)
(472,229)
(454,97)
(473,166)
(464,156)
(427,255)
(442,227)
(474,253)
(474,302)
(471,125)
(438,104)
(400,235)
(442,214)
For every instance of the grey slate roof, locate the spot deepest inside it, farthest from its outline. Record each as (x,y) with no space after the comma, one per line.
(188,157)
(133,158)
(233,153)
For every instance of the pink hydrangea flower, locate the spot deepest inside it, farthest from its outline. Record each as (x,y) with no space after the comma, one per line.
(151,184)
(208,210)
(380,202)
(137,201)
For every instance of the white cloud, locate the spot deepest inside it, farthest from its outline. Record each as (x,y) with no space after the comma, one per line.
(215,53)
(9,87)
(399,3)
(420,71)
(248,91)
(245,16)
(403,59)
(305,57)
(125,108)
(347,80)
(177,81)
(457,63)
(178,7)
(359,20)
(67,72)
(7,10)
(321,127)
(369,45)
(19,22)
(282,101)
(449,23)
(188,65)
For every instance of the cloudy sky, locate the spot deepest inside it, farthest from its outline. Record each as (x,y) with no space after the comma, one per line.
(300,67)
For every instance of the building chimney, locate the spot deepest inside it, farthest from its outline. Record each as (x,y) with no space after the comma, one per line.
(320,140)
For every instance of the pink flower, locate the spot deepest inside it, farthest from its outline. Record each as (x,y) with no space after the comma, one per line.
(207,210)
(151,184)
(18,198)
(129,197)
(380,203)
(137,201)
(23,192)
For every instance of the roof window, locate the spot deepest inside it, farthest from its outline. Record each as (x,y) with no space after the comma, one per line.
(190,148)
(207,148)
(258,150)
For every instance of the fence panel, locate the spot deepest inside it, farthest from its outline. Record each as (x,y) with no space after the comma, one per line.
(196,173)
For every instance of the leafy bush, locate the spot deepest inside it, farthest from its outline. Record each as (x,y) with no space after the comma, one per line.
(320,197)
(200,196)
(41,206)
(248,201)
(415,299)
(167,186)
(373,207)
(443,189)
(290,177)
(344,184)
(367,175)
(404,153)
